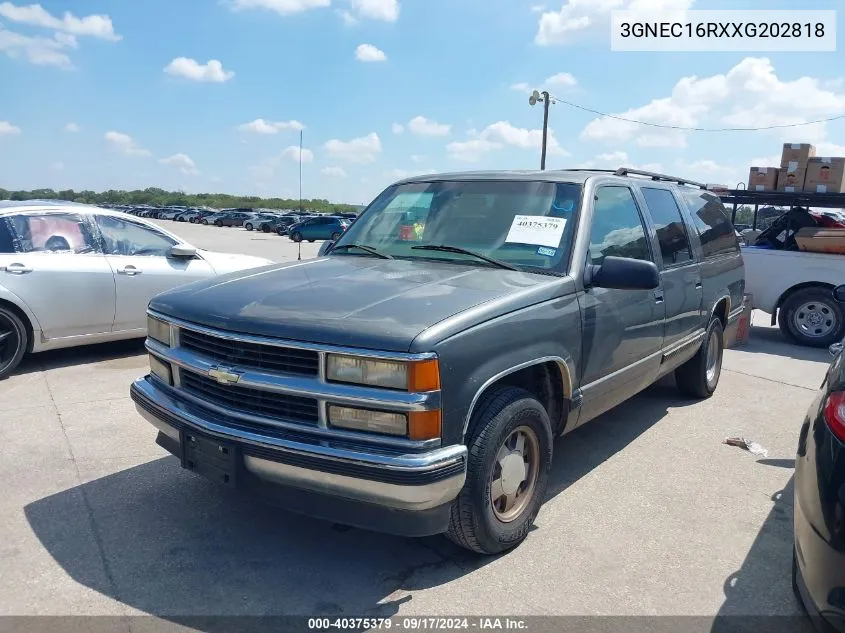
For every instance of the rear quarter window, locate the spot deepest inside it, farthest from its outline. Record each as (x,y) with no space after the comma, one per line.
(714,229)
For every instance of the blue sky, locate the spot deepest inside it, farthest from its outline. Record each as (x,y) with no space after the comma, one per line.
(209,95)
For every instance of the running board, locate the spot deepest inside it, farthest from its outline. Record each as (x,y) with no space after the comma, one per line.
(681,347)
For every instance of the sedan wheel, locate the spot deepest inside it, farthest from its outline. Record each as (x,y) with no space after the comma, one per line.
(248,226)
(218,223)
(14,341)
(296,237)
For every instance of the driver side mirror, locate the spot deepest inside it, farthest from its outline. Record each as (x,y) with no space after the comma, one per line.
(623,273)
(182,251)
(325,248)
(839,293)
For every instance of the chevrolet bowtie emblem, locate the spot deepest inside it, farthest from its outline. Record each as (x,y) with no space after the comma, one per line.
(224,375)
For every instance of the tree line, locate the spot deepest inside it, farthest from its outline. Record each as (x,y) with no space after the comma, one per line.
(159,197)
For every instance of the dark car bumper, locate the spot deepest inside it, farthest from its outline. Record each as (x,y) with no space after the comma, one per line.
(409,495)
(818,524)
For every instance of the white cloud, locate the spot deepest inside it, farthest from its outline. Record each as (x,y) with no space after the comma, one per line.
(576,16)
(57,166)
(397,128)
(521,87)
(347,17)
(183,162)
(385,10)
(260,126)
(7,129)
(191,69)
(35,15)
(72,127)
(749,95)
(125,144)
(292,152)
(282,7)
(41,51)
(334,172)
(538,8)
(424,127)
(369,53)
(499,135)
(418,158)
(562,79)
(361,150)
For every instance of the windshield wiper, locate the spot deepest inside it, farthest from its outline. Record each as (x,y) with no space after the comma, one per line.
(457,249)
(367,249)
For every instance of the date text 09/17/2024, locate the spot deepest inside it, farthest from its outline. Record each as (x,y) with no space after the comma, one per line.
(417,623)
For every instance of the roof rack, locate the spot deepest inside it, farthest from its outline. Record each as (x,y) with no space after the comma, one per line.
(625,171)
(610,171)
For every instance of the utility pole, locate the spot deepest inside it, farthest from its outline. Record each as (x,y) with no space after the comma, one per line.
(546,100)
(300,171)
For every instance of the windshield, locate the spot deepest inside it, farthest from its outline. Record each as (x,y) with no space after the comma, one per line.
(527,224)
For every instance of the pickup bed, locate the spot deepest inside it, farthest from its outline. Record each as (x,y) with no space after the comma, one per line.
(796,288)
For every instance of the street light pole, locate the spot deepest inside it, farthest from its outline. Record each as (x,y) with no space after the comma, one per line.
(545,98)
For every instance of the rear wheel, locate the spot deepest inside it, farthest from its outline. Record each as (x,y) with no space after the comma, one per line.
(218,223)
(699,376)
(296,237)
(248,226)
(265,228)
(812,317)
(510,455)
(14,341)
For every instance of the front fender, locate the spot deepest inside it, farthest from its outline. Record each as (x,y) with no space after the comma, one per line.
(475,359)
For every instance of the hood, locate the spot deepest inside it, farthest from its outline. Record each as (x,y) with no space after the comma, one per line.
(347,300)
(224,263)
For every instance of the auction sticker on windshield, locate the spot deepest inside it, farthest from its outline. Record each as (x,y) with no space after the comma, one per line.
(537,230)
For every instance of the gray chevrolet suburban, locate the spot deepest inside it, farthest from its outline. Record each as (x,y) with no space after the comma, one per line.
(412,379)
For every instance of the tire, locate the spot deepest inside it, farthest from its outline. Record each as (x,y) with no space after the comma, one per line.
(311,241)
(15,341)
(296,237)
(248,226)
(475,523)
(265,229)
(812,317)
(205,222)
(335,237)
(218,223)
(693,378)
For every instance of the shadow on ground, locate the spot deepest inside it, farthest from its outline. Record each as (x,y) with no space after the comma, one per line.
(770,340)
(57,359)
(759,596)
(165,542)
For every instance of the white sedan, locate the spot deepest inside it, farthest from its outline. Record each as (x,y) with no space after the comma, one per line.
(75,274)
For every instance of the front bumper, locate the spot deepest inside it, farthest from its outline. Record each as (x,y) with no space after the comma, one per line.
(406,494)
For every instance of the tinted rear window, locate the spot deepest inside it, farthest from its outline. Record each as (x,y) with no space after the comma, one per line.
(7,242)
(712,223)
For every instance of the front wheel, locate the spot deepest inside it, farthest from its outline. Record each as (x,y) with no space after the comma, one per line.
(510,456)
(296,237)
(248,226)
(812,317)
(14,341)
(699,376)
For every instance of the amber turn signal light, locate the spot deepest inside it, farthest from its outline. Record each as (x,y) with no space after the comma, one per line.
(424,376)
(424,425)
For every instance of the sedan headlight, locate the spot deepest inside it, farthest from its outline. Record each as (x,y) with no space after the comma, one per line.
(158,330)
(412,376)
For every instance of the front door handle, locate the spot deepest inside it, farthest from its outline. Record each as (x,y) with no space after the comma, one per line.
(17,269)
(698,285)
(658,296)
(129,270)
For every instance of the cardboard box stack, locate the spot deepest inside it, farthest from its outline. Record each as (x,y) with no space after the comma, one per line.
(763,179)
(825,175)
(793,166)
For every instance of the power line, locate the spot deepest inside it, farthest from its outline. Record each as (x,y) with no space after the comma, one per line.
(696,129)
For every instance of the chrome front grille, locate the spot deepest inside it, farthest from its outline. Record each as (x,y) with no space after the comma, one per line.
(249,401)
(247,355)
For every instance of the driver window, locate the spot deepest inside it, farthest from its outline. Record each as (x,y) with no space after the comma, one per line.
(127,238)
(52,233)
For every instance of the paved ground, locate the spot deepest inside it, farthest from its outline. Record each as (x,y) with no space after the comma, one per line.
(649,514)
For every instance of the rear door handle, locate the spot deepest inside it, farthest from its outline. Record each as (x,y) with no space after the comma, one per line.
(17,269)
(129,270)
(698,285)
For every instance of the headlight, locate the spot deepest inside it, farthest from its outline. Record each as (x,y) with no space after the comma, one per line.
(161,369)
(366,420)
(412,376)
(158,330)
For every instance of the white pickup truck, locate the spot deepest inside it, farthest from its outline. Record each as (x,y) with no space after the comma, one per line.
(796,288)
